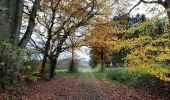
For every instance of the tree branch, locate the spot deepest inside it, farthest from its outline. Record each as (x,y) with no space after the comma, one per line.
(159,2)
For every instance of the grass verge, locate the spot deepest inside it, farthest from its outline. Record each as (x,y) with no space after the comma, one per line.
(123,75)
(64,72)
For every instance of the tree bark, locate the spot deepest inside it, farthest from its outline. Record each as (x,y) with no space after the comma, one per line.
(31,23)
(47,46)
(72,64)
(52,67)
(10,20)
(18,21)
(10,25)
(102,60)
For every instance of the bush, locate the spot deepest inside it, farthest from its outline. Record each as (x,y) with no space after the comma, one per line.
(160,70)
(11,57)
(16,64)
(30,71)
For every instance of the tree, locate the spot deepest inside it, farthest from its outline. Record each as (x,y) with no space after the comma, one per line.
(11,12)
(10,20)
(80,16)
(73,39)
(66,17)
(31,24)
(10,24)
(101,39)
(148,50)
(11,17)
(97,56)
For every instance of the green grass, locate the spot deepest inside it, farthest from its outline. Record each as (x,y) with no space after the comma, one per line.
(84,69)
(88,77)
(100,75)
(64,72)
(118,75)
(61,71)
(95,71)
(87,72)
(123,75)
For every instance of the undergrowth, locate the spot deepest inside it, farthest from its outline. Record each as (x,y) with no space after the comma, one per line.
(125,76)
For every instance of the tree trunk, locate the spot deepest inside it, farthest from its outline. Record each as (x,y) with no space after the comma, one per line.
(10,25)
(10,20)
(31,23)
(47,46)
(72,64)
(18,21)
(102,60)
(52,67)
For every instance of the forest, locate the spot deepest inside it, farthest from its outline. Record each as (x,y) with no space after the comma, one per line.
(84,50)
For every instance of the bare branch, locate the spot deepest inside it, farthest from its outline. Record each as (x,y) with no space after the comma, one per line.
(159,2)
(134,7)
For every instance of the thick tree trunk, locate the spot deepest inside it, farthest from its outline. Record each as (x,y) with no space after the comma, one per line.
(10,20)
(4,20)
(52,67)
(31,23)
(57,52)
(10,25)
(47,46)
(18,21)
(72,64)
(43,64)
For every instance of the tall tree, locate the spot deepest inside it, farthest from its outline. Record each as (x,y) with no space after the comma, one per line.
(10,20)
(10,25)
(31,24)
(69,16)
(101,39)
(74,41)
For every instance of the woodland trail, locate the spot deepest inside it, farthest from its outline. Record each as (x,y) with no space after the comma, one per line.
(82,87)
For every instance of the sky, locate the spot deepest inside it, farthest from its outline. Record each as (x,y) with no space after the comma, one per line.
(149,10)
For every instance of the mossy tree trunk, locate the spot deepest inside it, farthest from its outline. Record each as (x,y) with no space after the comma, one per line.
(10,20)
(10,26)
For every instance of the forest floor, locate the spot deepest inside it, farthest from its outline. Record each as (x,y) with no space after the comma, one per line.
(82,86)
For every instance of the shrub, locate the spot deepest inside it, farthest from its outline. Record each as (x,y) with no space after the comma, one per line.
(30,71)
(160,70)
(124,75)
(11,57)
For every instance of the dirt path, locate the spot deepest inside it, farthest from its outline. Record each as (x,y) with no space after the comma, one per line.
(85,87)
(90,88)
